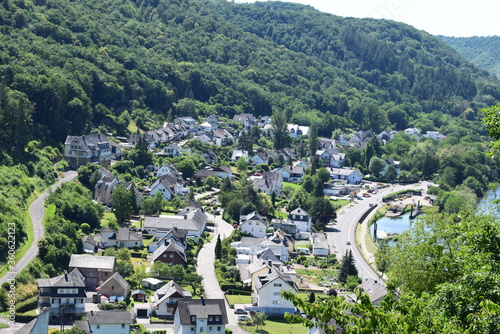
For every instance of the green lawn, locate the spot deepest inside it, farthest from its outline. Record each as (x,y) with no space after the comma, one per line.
(4,326)
(276,326)
(237,299)
(294,186)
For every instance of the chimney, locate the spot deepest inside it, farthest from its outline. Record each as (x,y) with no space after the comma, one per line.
(66,275)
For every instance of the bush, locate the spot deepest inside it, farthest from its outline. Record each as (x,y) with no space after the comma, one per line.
(27,305)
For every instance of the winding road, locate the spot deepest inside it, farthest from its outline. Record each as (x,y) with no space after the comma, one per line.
(37,211)
(345,230)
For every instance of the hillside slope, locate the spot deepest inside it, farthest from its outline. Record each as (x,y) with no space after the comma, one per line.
(68,67)
(482,51)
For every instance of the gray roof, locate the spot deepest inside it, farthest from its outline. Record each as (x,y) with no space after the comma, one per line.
(272,275)
(119,279)
(201,308)
(266,255)
(93,262)
(168,290)
(83,324)
(109,317)
(251,241)
(300,212)
(124,233)
(89,143)
(193,220)
(74,279)
(319,241)
(253,216)
(169,246)
(90,240)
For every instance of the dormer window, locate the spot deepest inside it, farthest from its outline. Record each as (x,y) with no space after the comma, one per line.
(193,319)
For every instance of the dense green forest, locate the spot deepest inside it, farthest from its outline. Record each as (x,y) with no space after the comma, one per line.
(68,67)
(482,51)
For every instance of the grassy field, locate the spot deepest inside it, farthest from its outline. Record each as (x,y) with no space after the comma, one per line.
(276,326)
(316,275)
(294,186)
(236,299)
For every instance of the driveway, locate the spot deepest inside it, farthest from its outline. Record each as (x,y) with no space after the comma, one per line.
(205,268)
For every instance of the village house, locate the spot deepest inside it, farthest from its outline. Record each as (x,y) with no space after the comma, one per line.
(319,244)
(247,119)
(188,122)
(269,183)
(200,316)
(114,288)
(296,131)
(165,298)
(64,295)
(351,175)
(106,322)
(95,269)
(291,173)
(170,253)
(122,237)
(81,150)
(267,289)
(193,221)
(253,224)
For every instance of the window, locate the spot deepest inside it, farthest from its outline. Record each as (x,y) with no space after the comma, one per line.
(98,326)
(276,310)
(276,293)
(56,300)
(210,328)
(123,325)
(217,318)
(112,287)
(250,223)
(277,284)
(192,329)
(193,318)
(276,301)
(201,329)
(67,291)
(218,329)
(171,256)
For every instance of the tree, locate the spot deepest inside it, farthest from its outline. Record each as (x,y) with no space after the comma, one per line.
(122,203)
(259,319)
(241,164)
(347,267)
(312,297)
(218,248)
(376,166)
(323,174)
(279,129)
(313,139)
(391,173)
(125,268)
(193,280)
(123,254)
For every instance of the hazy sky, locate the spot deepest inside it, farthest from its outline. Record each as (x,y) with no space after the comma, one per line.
(439,17)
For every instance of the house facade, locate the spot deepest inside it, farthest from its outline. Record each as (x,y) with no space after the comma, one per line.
(81,150)
(267,292)
(106,322)
(170,253)
(300,218)
(95,269)
(120,238)
(254,225)
(116,285)
(351,175)
(165,298)
(200,316)
(64,295)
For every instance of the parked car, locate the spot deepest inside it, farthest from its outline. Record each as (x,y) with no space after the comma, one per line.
(243,318)
(240,311)
(348,242)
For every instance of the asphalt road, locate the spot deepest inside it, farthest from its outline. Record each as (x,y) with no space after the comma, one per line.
(205,268)
(345,229)
(37,210)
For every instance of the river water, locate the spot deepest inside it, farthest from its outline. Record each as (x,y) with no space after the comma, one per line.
(402,223)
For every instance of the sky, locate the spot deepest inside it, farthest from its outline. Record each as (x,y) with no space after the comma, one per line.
(459,18)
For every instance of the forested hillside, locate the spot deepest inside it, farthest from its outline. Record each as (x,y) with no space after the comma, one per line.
(68,67)
(484,52)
